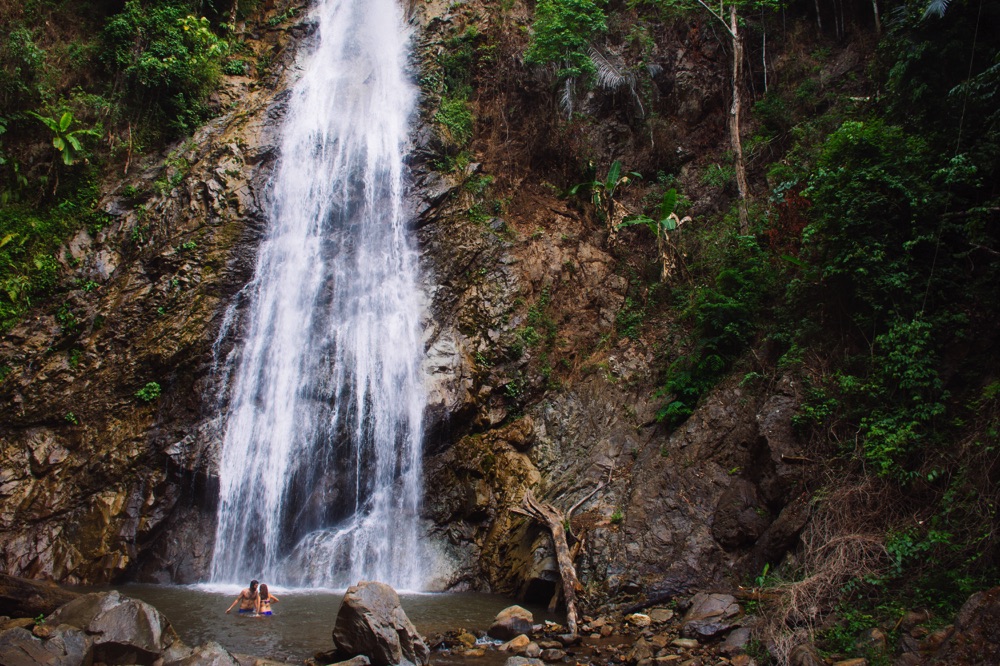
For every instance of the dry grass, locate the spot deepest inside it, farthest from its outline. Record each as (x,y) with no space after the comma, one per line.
(844,541)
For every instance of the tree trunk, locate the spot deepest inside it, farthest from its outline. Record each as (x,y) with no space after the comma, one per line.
(734,122)
(554,520)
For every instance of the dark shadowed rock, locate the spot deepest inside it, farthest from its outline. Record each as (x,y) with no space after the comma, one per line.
(123,630)
(805,654)
(740,516)
(371,622)
(510,622)
(976,637)
(20,597)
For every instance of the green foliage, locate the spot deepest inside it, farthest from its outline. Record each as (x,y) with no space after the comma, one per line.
(562,32)
(68,143)
(602,191)
(725,319)
(30,240)
(149,392)
(235,67)
(168,60)
(629,319)
(21,70)
(455,115)
(666,219)
(617,517)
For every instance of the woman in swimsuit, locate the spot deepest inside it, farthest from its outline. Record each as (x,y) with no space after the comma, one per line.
(264,601)
(247,600)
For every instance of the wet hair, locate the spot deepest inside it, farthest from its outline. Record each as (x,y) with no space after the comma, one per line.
(264,593)
(253,584)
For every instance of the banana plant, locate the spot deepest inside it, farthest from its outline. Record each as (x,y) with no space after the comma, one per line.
(67,143)
(666,221)
(602,194)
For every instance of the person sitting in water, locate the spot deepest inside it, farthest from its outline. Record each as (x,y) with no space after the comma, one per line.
(264,601)
(247,600)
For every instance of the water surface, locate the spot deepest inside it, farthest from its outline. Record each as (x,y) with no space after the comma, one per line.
(303,620)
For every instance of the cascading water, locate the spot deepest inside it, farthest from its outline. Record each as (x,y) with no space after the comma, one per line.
(320,465)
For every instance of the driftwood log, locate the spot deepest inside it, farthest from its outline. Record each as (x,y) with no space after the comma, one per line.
(560,525)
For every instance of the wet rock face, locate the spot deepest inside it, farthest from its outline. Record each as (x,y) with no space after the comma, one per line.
(92,477)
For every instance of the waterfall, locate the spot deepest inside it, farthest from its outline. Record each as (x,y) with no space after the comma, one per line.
(321,457)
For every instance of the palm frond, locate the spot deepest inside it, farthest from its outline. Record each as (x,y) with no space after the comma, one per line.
(609,76)
(936,8)
(613,77)
(566,99)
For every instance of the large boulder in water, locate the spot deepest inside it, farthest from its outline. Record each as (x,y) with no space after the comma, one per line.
(124,630)
(20,597)
(372,622)
(510,622)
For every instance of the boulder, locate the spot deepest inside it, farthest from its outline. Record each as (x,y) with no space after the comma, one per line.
(640,620)
(123,630)
(66,646)
(372,622)
(209,654)
(710,615)
(805,654)
(661,615)
(524,661)
(976,635)
(21,597)
(516,644)
(510,622)
(735,642)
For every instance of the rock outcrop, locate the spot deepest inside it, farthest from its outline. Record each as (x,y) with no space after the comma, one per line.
(371,622)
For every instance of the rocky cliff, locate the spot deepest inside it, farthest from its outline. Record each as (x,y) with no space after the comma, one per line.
(533,383)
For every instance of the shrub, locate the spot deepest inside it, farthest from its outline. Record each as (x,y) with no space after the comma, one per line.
(149,392)
(562,32)
(166,58)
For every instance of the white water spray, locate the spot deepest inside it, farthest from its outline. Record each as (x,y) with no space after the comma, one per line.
(321,458)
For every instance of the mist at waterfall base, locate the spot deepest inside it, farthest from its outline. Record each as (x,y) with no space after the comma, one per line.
(320,469)
(303,620)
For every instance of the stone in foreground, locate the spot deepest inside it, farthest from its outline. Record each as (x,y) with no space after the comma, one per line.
(123,630)
(372,622)
(510,622)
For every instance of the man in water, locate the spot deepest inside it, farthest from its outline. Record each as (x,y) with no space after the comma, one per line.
(247,599)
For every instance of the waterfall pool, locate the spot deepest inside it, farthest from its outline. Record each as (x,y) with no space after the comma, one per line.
(302,623)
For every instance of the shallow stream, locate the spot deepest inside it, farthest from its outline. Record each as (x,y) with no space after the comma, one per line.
(303,620)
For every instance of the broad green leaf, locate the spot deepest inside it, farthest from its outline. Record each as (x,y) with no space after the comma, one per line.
(669,203)
(58,143)
(613,173)
(65,121)
(6,239)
